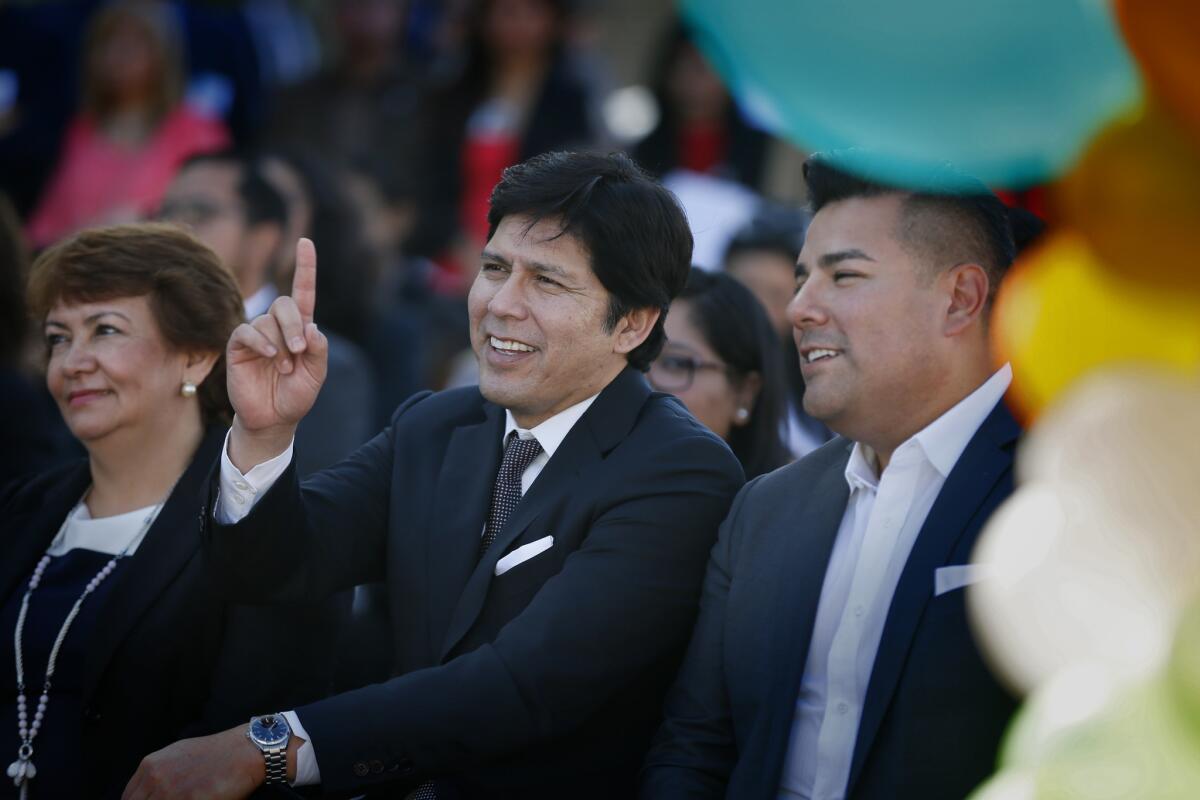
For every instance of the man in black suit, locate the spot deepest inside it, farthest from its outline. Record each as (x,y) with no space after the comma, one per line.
(831,657)
(543,536)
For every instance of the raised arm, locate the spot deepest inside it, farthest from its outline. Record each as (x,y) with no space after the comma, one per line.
(276,364)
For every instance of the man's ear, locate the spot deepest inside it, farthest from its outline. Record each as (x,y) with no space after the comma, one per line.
(633,328)
(966,288)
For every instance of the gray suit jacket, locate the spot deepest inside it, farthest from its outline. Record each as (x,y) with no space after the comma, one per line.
(932,715)
(343,416)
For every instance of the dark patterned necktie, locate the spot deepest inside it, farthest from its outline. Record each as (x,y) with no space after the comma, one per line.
(506,493)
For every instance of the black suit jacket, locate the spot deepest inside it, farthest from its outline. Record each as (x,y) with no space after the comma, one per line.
(170,658)
(545,681)
(933,714)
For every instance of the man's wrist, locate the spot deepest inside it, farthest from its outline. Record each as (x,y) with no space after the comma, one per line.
(248,449)
(293,750)
(253,764)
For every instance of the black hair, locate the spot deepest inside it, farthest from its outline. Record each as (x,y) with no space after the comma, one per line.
(633,230)
(774,229)
(736,326)
(262,202)
(950,219)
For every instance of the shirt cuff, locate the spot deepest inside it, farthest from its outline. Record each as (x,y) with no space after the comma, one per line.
(238,493)
(307,771)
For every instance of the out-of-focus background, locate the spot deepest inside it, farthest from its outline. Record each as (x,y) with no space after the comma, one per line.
(378,128)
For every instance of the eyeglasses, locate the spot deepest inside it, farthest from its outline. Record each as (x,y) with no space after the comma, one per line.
(193,212)
(672,372)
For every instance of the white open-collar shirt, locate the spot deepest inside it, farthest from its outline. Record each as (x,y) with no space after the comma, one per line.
(882,519)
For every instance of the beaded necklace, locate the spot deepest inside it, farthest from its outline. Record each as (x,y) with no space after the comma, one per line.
(22,771)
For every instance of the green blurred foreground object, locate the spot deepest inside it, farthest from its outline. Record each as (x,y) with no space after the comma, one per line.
(1140,742)
(1008,92)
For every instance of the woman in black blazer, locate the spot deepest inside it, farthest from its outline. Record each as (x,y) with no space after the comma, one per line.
(103,556)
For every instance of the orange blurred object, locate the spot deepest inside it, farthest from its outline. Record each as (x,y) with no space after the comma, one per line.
(1135,196)
(1164,36)
(1060,314)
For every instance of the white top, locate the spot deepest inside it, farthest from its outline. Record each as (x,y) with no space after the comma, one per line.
(882,519)
(108,535)
(239,493)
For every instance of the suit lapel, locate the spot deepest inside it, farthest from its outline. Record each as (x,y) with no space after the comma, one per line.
(983,464)
(171,542)
(812,517)
(461,501)
(602,427)
(35,529)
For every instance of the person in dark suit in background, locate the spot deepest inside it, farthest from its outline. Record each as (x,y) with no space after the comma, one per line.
(543,535)
(230,205)
(135,318)
(832,657)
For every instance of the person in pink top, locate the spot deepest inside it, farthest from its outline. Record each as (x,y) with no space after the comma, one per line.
(132,132)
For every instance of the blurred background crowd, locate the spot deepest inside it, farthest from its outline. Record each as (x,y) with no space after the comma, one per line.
(378,128)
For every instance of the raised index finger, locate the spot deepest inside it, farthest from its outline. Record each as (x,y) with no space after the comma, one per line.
(304,280)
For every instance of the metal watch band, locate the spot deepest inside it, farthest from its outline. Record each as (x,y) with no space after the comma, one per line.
(276,758)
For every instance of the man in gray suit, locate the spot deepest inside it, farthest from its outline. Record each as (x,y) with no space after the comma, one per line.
(832,657)
(226,200)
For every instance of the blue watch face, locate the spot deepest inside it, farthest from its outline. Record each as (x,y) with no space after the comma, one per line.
(270,730)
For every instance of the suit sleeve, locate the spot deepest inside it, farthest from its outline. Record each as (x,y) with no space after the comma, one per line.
(694,751)
(623,602)
(270,659)
(297,545)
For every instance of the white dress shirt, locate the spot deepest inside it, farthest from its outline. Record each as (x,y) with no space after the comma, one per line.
(882,519)
(259,303)
(238,494)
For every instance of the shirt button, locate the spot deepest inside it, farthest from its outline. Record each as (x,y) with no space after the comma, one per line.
(858,611)
(361,769)
(842,708)
(239,499)
(241,485)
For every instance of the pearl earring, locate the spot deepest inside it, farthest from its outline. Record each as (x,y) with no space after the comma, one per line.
(188,389)
(742,415)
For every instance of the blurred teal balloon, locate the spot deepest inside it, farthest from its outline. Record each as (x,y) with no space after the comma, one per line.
(1009,92)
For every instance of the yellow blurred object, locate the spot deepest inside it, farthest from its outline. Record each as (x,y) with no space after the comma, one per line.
(1164,36)
(1093,558)
(1135,196)
(1060,315)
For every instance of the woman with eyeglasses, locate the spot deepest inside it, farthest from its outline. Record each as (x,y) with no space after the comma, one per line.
(722,360)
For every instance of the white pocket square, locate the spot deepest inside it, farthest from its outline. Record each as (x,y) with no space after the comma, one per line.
(947,579)
(523,554)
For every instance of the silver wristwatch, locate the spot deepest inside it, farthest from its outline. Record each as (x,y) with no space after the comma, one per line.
(271,733)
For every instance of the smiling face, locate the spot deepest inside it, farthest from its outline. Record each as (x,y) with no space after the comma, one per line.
(111,371)
(869,324)
(538,317)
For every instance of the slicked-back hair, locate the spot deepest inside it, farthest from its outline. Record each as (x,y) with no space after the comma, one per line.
(633,230)
(953,219)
